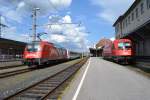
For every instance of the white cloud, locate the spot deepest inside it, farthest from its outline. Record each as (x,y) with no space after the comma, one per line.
(13,15)
(112,9)
(66,19)
(12,34)
(58,38)
(17,9)
(72,36)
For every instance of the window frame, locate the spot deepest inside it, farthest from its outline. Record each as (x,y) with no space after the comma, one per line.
(136,12)
(132,15)
(148,4)
(142,8)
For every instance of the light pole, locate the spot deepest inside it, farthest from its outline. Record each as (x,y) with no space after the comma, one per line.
(34,15)
(0,27)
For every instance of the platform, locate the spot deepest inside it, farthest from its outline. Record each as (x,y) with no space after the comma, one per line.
(104,80)
(10,63)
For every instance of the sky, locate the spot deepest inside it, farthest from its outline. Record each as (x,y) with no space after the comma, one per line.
(91,20)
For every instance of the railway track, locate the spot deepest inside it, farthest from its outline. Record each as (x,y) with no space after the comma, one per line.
(21,71)
(45,89)
(8,67)
(13,73)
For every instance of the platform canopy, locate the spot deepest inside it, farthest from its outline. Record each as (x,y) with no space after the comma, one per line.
(11,47)
(96,52)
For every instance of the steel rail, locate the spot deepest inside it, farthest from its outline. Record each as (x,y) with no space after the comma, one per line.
(16,72)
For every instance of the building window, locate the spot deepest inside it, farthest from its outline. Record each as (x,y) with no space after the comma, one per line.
(123,24)
(142,8)
(116,29)
(129,19)
(126,22)
(137,14)
(148,4)
(132,16)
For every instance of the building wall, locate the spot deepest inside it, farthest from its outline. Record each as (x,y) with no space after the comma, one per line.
(143,48)
(129,24)
(118,29)
(147,47)
(131,21)
(103,42)
(11,50)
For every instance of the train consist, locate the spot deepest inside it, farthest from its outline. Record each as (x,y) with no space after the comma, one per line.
(43,52)
(119,50)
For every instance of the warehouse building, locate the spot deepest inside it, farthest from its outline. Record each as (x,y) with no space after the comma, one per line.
(135,25)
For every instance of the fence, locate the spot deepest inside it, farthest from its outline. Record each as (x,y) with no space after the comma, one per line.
(10,58)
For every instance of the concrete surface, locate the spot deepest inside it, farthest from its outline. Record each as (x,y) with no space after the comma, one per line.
(108,81)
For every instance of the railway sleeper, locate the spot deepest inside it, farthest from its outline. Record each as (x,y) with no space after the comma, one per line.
(54,82)
(38,91)
(44,88)
(46,85)
(28,96)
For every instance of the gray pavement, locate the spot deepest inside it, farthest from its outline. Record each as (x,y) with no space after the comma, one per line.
(109,81)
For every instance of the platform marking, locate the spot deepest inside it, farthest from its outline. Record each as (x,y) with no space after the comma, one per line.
(81,82)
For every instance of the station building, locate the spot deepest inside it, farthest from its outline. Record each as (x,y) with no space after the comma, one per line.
(135,25)
(97,51)
(11,49)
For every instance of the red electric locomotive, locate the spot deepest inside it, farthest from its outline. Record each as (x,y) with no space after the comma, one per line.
(42,52)
(120,51)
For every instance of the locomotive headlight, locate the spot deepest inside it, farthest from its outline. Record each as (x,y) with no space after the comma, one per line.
(39,48)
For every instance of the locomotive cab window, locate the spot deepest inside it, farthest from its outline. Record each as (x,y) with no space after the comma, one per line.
(33,47)
(124,45)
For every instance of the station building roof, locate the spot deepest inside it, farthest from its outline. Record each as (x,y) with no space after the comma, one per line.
(7,43)
(102,43)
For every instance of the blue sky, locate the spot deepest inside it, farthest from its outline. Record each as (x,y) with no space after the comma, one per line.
(97,17)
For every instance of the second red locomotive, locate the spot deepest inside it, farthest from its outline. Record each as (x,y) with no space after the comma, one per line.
(119,50)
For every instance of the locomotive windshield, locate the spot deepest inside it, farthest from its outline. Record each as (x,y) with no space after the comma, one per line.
(33,47)
(124,45)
